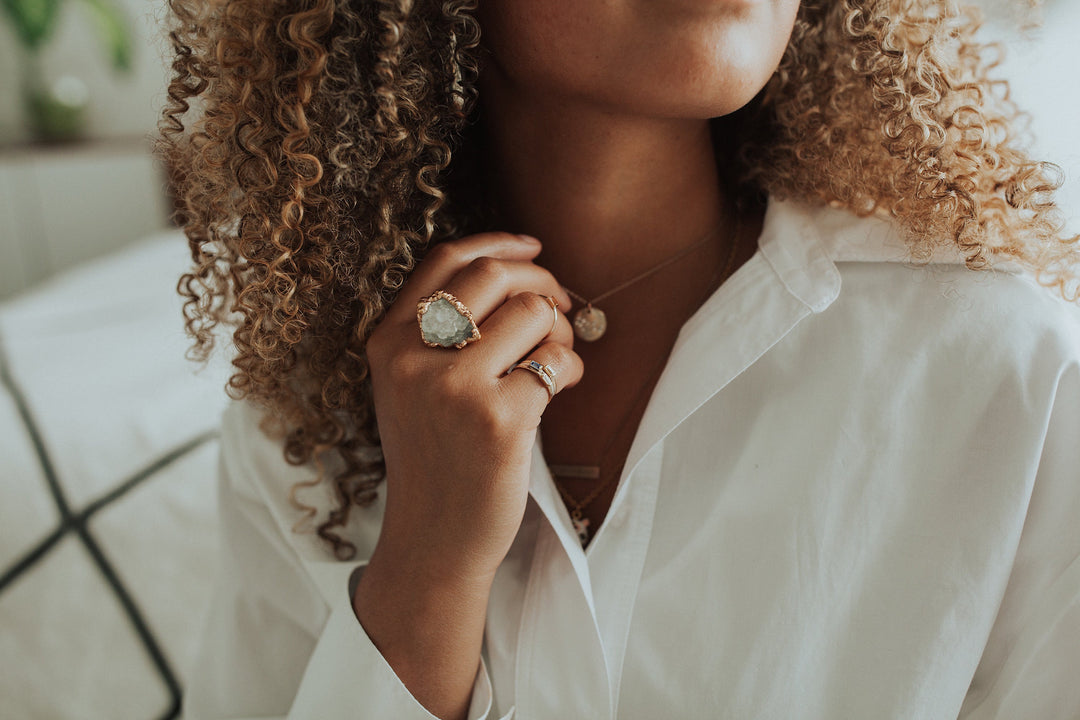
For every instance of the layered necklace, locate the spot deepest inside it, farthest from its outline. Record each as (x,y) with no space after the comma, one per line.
(576,507)
(587,327)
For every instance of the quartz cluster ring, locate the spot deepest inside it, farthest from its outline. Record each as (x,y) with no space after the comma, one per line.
(542,371)
(445,321)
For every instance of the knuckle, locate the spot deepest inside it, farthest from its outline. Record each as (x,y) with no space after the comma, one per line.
(487,269)
(400,367)
(533,303)
(445,253)
(494,417)
(468,400)
(548,278)
(456,388)
(566,363)
(561,356)
(568,369)
(448,391)
(501,414)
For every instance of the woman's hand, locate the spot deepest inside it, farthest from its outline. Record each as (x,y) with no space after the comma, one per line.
(457,432)
(457,435)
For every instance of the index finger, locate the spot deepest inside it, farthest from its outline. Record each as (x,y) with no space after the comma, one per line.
(446,259)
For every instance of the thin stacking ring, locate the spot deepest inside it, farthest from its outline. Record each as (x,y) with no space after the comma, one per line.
(445,321)
(545,373)
(554,312)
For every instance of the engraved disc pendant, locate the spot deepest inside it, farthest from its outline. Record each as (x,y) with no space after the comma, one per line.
(590,323)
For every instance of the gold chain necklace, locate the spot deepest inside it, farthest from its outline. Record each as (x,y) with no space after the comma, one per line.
(590,322)
(576,507)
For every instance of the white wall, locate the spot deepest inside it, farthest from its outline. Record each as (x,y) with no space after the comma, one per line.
(122,105)
(62,206)
(1044,64)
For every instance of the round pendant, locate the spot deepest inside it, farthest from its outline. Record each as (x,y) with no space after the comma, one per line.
(590,323)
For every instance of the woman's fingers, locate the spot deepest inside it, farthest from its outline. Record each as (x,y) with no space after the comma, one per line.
(446,259)
(518,306)
(524,321)
(486,283)
(561,364)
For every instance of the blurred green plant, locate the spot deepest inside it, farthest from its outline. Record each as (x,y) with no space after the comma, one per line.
(55,116)
(34,21)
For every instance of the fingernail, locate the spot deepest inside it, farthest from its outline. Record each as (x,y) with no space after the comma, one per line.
(529,238)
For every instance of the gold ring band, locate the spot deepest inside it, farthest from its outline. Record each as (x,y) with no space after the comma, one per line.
(545,373)
(554,312)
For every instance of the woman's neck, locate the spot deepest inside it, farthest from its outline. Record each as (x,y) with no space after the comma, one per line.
(609,195)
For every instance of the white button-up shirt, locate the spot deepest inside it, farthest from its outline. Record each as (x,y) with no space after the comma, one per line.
(855,493)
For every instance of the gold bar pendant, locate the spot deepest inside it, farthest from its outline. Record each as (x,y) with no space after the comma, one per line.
(581,472)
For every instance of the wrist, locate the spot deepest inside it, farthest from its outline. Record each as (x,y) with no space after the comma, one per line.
(419,585)
(428,627)
(455,561)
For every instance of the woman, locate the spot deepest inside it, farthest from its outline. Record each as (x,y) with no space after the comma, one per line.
(692,453)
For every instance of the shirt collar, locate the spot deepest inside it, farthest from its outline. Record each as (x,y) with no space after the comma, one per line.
(790,277)
(793,245)
(846,237)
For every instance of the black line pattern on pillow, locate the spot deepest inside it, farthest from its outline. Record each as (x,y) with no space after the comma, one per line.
(77,523)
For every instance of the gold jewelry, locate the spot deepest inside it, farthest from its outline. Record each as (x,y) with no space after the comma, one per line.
(445,321)
(590,322)
(592,472)
(575,507)
(545,373)
(554,312)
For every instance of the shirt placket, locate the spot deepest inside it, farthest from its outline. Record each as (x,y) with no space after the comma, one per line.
(617,560)
(561,670)
(578,607)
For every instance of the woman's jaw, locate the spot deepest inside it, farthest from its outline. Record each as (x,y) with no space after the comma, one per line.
(659,58)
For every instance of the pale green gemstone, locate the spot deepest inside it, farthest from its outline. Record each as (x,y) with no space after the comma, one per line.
(444,325)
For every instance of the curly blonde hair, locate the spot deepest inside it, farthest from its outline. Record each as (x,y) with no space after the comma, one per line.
(329,144)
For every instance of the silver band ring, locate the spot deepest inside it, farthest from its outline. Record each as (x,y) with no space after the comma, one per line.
(545,373)
(554,312)
(445,321)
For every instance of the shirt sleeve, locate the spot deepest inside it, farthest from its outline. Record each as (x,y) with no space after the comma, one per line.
(272,646)
(1029,666)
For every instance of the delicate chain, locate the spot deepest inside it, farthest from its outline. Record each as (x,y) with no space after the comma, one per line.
(622,286)
(578,506)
